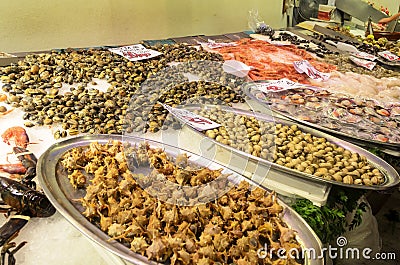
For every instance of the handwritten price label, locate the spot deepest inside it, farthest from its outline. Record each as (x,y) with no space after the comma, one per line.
(388,56)
(135,52)
(364,55)
(305,67)
(193,120)
(215,45)
(277,85)
(364,63)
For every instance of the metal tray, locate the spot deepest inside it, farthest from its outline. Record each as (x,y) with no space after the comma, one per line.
(391,65)
(392,178)
(249,91)
(61,194)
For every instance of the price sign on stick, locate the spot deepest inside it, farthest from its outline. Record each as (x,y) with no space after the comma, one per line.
(363,63)
(388,56)
(135,52)
(196,121)
(277,85)
(364,55)
(214,45)
(305,67)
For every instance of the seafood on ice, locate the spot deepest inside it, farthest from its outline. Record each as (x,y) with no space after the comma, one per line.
(359,117)
(382,90)
(21,198)
(271,62)
(291,147)
(230,229)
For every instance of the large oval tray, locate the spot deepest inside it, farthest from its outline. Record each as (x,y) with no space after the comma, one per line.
(61,194)
(392,178)
(250,91)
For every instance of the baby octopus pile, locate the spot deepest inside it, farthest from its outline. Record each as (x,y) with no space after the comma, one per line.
(228,230)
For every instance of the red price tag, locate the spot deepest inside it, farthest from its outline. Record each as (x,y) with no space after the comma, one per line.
(274,88)
(364,63)
(135,52)
(277,85)
(131,55)
(196,121)
(364,55)
(305,67)
(314,74)
(388,55)
(214,45)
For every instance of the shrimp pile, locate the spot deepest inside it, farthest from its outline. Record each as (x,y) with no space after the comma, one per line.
(230,229)
(272,62)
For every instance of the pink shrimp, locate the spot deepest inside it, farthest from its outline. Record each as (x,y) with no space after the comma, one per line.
(18,134)
(13,168)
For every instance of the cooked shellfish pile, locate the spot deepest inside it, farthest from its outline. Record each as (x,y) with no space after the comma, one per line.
(359,117)
(230,229)
(290,147)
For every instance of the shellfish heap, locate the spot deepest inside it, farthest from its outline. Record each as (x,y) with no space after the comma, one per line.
(357,116)
(228,230)
(60,87)
(290,147)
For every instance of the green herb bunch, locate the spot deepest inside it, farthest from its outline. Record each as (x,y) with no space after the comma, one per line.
(329,221)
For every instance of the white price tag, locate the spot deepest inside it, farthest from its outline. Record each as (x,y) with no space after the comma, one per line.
(305,67)
(364,55)
(388,56)
(236,68)
(277,85)
(364,63)
(135,52)
(214,45)
(193,120)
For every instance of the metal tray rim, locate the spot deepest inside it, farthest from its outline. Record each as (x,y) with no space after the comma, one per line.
(48,181)
(392,146)
(392,177)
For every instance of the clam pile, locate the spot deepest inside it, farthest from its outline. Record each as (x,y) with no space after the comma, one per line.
(358,117)
(145,114)
(60,87)
(290,147)
(171,87)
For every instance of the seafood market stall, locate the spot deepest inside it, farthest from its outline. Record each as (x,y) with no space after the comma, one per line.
(168,152)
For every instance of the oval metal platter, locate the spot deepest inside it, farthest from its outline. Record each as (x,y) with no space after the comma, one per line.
(392,178)
(251,92)
(61,194)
